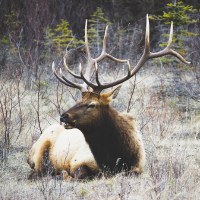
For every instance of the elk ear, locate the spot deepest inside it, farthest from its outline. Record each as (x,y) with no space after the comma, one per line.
(113,93)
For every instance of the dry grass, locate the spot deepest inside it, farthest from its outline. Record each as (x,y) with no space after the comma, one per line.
(171,138)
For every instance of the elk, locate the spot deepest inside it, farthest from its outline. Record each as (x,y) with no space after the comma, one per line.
(59,150)
(112,136)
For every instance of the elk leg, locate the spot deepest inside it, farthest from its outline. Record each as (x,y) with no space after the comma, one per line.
(81,172)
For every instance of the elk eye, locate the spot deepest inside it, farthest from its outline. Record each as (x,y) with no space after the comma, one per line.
(91,105)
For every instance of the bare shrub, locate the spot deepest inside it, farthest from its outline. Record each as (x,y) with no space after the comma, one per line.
(158,115)
(12,116)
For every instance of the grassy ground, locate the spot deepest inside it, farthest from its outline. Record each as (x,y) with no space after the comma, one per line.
(170,133)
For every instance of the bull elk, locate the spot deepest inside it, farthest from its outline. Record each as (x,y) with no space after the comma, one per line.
(112,136)
(59,150)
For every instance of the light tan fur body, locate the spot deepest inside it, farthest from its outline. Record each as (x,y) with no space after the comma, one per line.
(67,150)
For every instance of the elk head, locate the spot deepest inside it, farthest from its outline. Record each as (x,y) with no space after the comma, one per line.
(89,110)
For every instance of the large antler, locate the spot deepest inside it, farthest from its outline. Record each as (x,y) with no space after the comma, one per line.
(100,86)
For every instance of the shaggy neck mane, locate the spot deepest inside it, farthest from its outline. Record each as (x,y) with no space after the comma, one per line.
(112,140)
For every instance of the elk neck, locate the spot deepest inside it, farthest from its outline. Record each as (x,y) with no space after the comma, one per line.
(111,138)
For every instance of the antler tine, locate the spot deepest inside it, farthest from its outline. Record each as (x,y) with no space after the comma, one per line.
(146,54)
(67,82)
(174,52)
(129,69)
(147,48)
(97,75)
(170,36)
(61,80)
(104,54)
(70,82)
(90,60)
(72,73)
(86,42)
(105,39)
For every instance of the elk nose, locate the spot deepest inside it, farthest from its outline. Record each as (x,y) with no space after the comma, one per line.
(63,117)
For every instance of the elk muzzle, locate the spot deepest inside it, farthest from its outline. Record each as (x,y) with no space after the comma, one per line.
(68,123)
(63,117)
